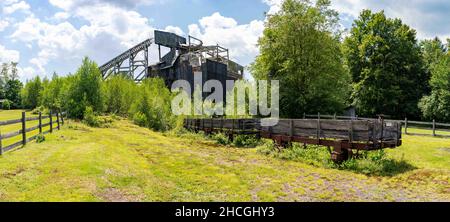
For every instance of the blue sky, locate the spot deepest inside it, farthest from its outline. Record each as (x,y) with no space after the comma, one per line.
(53,35)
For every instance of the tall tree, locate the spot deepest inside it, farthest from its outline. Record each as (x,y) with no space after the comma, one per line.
(385,65)
(32,93)
(437,57)
(12,93)
(300,47)
(14,73)
(85,89)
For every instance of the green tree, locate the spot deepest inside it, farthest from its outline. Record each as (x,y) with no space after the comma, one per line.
(52,95)
(437,58)
(14,73)
(120,93)
(301,47)
(32,93)
(386,66)
(12,93)
(84,89)
(4,77)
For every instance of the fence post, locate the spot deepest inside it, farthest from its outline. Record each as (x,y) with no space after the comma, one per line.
(334,116)
(434,127)
(62,118)
(304,115)
(1,147)
(51,122)
(406,125)
(40,122)
(57,120)
(24,129)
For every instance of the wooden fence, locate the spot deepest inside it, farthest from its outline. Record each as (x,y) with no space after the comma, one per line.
(433,126)
(52,123)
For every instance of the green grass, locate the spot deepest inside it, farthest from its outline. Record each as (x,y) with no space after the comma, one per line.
(129,163)
(17,114)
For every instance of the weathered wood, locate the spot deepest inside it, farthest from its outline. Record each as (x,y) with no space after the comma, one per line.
(1,147)
(32,118)
(12,146)
(62,119)
(10,122)
(24,129)
(434,128)
(11,134)
(406,125)
(32,128)
(51,122)
(57,121)
(40,122)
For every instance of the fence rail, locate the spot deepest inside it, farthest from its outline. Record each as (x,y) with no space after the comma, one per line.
(432,126)
(26,129)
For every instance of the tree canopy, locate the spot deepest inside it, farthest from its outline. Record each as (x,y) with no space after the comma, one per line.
(386,66)
(301,47)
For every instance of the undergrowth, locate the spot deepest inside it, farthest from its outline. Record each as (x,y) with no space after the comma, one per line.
(373,163)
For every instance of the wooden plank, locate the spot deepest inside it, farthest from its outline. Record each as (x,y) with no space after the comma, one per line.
(10,122)
(12,146)
(32,128)
(11,134)
(24,129)
(32,118)
(32,138)
(45,124)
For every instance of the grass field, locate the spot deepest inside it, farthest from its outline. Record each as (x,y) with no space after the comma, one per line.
(17,114)
(129,163)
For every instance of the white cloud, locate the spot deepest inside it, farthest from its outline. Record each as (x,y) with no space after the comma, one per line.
(7,55)
(275,5)
(241,40)
(61,16)
(20,6)
(108,31)
(3,25)
(73,4)
(173,29)
(430,18)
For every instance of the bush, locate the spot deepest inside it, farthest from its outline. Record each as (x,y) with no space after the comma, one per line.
(6,105)
(90,118)
(40,109)
(40,138)
(375,163)
(246,141)
(140,119)
(84,89)
(221,139)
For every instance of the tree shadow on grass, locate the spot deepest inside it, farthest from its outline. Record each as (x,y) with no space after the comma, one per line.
(383,167)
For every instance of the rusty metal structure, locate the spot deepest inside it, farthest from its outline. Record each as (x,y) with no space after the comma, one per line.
(345,136)
(185,59)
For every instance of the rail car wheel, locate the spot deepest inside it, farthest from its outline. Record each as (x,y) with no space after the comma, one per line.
(340,156)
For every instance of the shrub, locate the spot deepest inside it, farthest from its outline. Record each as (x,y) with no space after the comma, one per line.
(40,109)
(140,119)
(40,138)
(245,141)
(221,139)
(90,118)
(6,105)
(84,89)
(369,162)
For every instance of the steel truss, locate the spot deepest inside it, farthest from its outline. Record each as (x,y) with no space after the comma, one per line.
(116,65)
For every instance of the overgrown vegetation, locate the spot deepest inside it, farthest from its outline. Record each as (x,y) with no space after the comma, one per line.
(374,163)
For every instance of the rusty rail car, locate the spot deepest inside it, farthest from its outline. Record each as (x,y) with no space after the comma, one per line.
(343,135)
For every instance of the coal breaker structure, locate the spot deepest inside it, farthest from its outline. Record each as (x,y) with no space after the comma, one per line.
(185,59)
